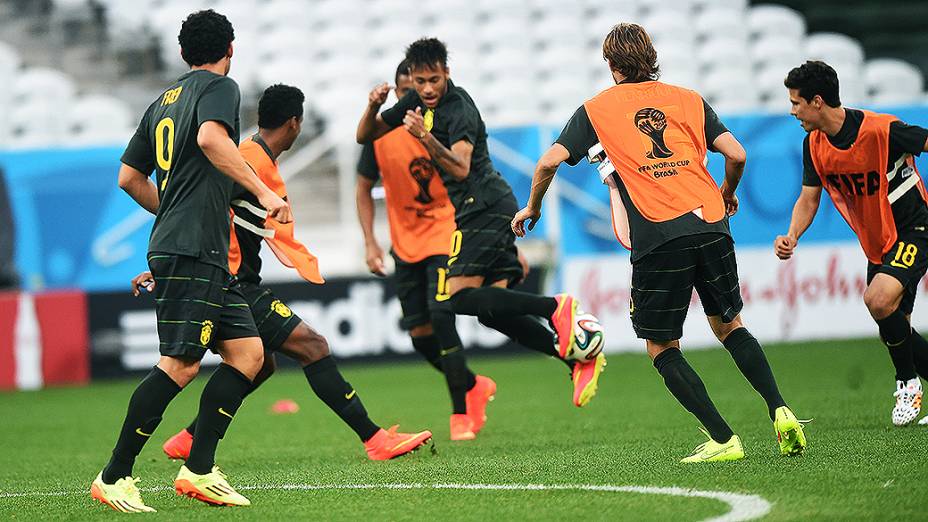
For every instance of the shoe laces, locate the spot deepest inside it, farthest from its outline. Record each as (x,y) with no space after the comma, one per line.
(704,444)
(391,433)
(129,488)
(219,472)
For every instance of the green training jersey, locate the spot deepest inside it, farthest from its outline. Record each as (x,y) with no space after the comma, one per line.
(193,215)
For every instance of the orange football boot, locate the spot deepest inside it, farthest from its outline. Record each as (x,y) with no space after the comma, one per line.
(462,427)
(563,320)
(586,379)
(477,399)
(178,446)
(388,444)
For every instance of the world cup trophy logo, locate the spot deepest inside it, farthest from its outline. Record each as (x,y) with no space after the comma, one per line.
(652,123)
(422,171)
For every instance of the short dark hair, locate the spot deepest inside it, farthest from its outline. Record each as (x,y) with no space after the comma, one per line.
(815,78)
(401,70)
(205,37)
(278,104)
(425,53)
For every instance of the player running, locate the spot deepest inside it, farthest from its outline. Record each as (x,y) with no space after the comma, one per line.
(280,115)
(865,161)
(651,140)
(188,136)
(483,259)
(421,223)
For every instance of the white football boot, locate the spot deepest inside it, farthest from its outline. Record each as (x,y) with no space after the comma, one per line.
(908,401)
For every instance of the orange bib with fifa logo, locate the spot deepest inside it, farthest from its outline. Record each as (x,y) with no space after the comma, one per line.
(420,213)
(654,136)
(858,183)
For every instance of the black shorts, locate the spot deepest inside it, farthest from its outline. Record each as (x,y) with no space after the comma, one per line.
(664,279)
(196,303)
(484,245)
(274,319)
(421,288)
(907,261)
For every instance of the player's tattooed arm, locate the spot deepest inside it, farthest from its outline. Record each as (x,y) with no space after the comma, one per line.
(544,173)
(135,183)
(455,161)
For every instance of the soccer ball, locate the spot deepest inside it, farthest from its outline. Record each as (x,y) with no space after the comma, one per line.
(588,338)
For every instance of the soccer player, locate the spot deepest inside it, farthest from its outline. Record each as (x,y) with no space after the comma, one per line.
(651,139)
(421,223)
(865,162)
(280,115)
(483,259)
(188,136)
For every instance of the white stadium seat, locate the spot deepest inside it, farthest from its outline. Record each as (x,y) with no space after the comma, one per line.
(715,21)
(668,24)
(777,51)
(723,52)
(836,49)
(776,20)
(41,83)
(98,120)
(892,81)
(730,89)
(10,60)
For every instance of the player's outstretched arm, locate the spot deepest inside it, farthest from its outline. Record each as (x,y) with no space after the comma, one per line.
(220,150)
(544,173)
(139,187)
(454,161)
(373,253)
(372,125)
(735,159)
(803,213)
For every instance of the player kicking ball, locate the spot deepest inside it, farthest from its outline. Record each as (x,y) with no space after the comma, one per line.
(483,260)
(651,140)
(421,224)
(188,137)
(280,114)
(865,161)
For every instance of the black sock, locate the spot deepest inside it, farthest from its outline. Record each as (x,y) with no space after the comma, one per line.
(920,354)
(528,332)
(687,387)
(146,406)
(219,402)
(429,348)
(451,359)
(192,427)
(329,385)
(896,334)
(501,302)
(750,359)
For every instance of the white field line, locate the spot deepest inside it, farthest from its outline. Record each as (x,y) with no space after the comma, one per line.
(742,507)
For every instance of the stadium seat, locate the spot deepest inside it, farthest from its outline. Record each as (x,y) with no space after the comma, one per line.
(738,5)
(777,51)
(10,60)
(41,83)
(723,51)
(36,123)
(730,88)
(776,20)
(890,81)
(98,120)
(275,14)
(560,31)
(720,21)
(837,50)
(668,24)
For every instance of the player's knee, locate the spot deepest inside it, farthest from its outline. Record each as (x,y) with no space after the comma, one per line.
(249,362)
(422,330)
(656,348)
(879,303)
(180,370)
(307,345)
(722,329)
(267,369)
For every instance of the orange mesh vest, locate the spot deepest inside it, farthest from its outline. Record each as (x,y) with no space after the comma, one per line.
(856,181)
(420,213)
(654,136)
(279,237)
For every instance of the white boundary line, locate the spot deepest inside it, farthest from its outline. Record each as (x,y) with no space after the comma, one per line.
(742,507)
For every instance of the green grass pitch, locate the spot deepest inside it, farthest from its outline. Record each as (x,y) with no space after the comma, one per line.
(858,466)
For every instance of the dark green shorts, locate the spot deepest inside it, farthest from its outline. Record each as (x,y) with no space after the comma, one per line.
(421,288)
(906,261)
(196,303)
(484,245)
(663,283)
(274,319)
